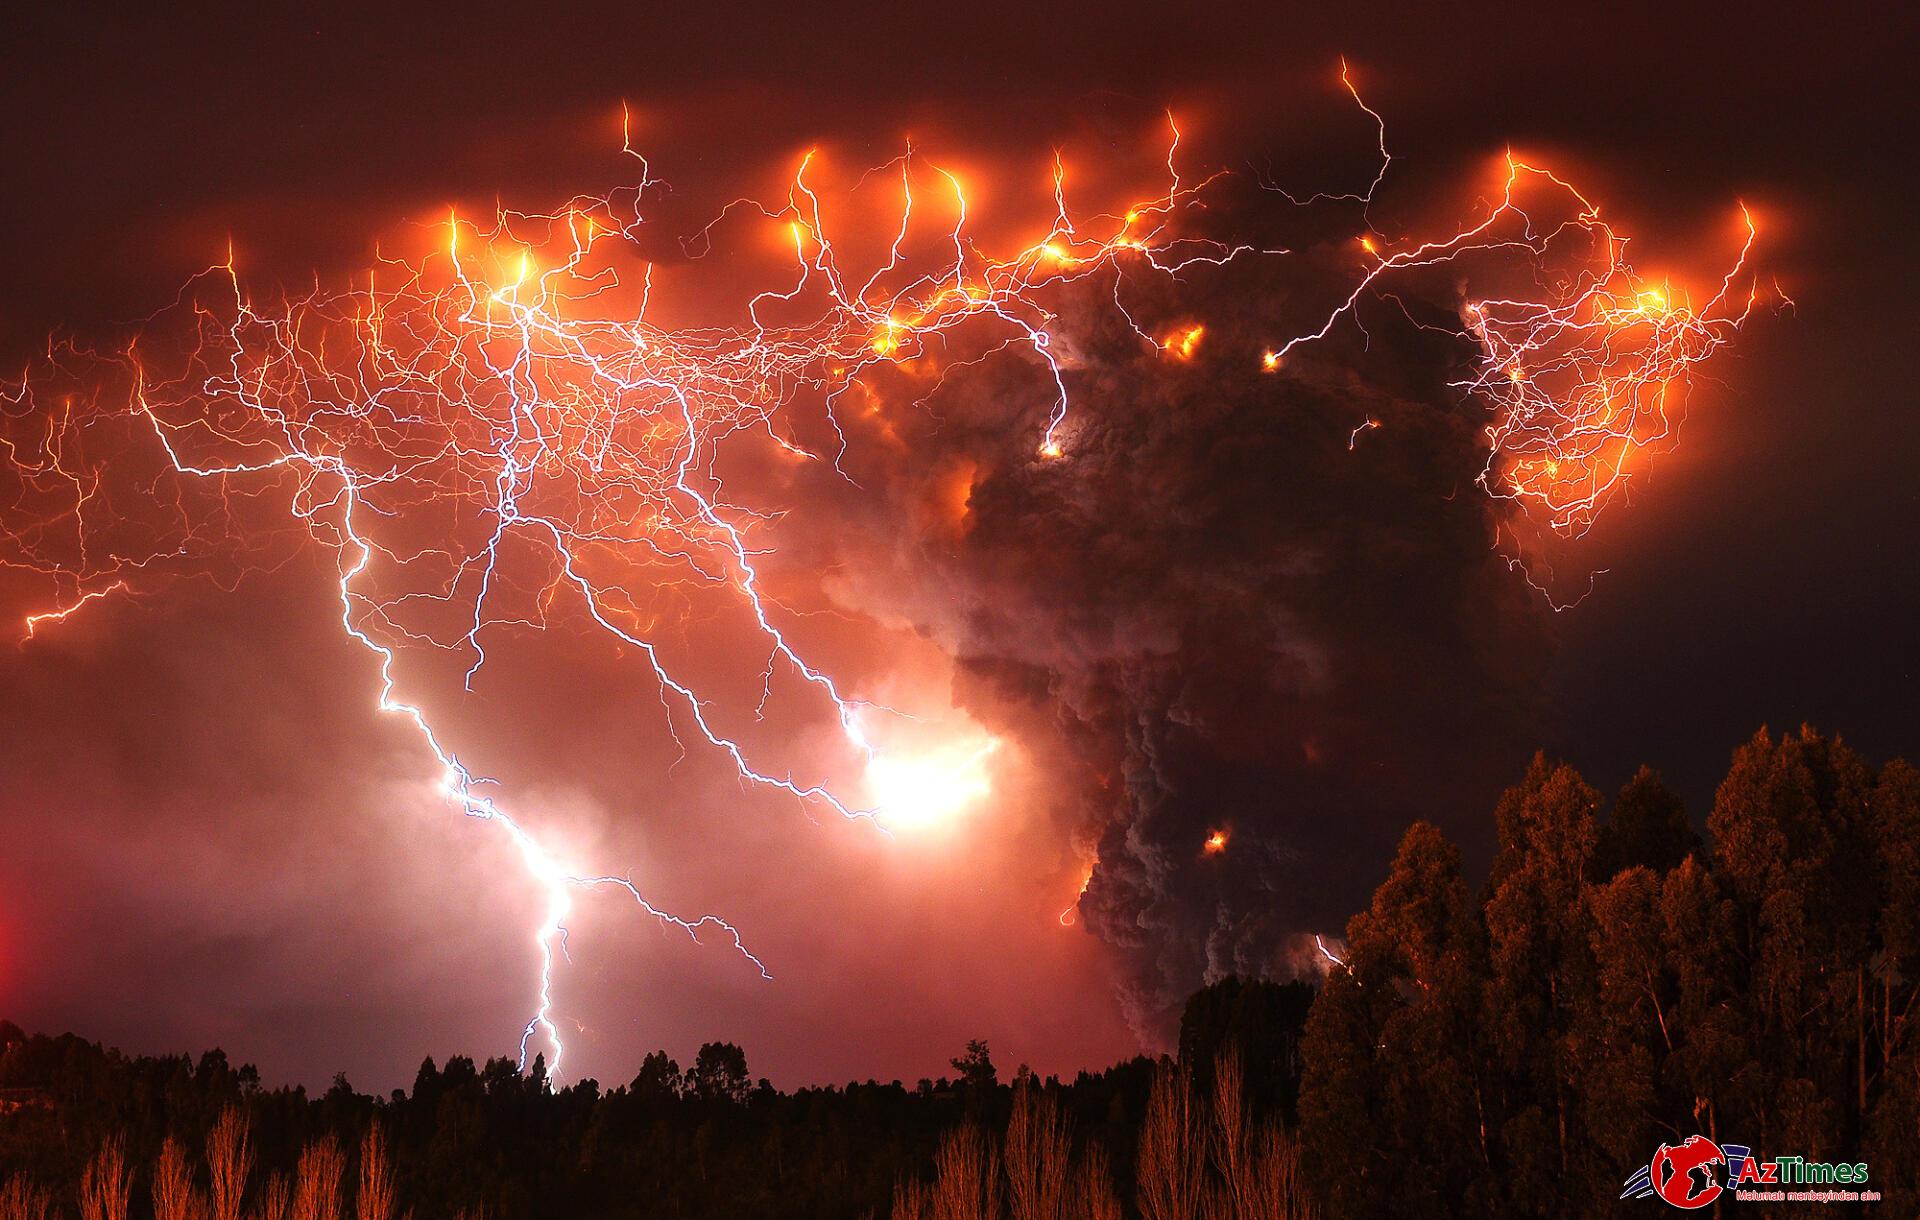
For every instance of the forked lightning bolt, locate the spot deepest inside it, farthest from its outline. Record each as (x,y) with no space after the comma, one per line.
(494,435)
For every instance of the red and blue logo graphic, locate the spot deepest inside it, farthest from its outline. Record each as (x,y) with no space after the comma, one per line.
(1688,1175)
(1696,1171)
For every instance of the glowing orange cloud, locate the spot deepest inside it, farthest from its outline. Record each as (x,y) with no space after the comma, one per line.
(500,435)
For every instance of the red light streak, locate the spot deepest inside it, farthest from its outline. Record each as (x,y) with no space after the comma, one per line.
(33,621)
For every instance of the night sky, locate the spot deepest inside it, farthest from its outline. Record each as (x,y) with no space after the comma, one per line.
(207,835)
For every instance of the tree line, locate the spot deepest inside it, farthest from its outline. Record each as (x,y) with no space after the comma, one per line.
(1518,1047)
(1617,984)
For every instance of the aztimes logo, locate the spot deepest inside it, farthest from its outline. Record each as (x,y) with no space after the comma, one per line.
(1695,1172)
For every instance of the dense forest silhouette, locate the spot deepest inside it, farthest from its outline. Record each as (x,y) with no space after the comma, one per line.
(1517,1048)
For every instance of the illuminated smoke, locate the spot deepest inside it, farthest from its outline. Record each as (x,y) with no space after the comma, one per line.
(495,436)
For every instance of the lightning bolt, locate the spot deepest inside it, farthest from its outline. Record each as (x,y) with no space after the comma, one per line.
(494,435)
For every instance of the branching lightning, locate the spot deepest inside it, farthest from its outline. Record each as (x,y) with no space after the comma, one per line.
(496,435)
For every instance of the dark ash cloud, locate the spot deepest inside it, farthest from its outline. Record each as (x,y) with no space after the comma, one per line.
(1220,611)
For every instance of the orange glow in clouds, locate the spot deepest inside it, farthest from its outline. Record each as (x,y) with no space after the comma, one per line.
(515,391)
(1186,342)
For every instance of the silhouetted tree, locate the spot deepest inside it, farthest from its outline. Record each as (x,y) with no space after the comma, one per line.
(1395,1091)
(1259,1021)
(976,1067)
(658,1079)
(1793,834)
(1648,827)
(1541,980)
(719,1073)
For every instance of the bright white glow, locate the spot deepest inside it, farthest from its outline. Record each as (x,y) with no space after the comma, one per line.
(916,789)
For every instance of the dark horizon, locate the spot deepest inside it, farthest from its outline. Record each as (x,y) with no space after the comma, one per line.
(1545,1043)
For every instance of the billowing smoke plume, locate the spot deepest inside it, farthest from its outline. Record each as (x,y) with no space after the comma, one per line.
(1237,600)
(1232,607)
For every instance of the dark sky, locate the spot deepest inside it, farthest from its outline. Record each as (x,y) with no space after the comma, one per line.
(186,852)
